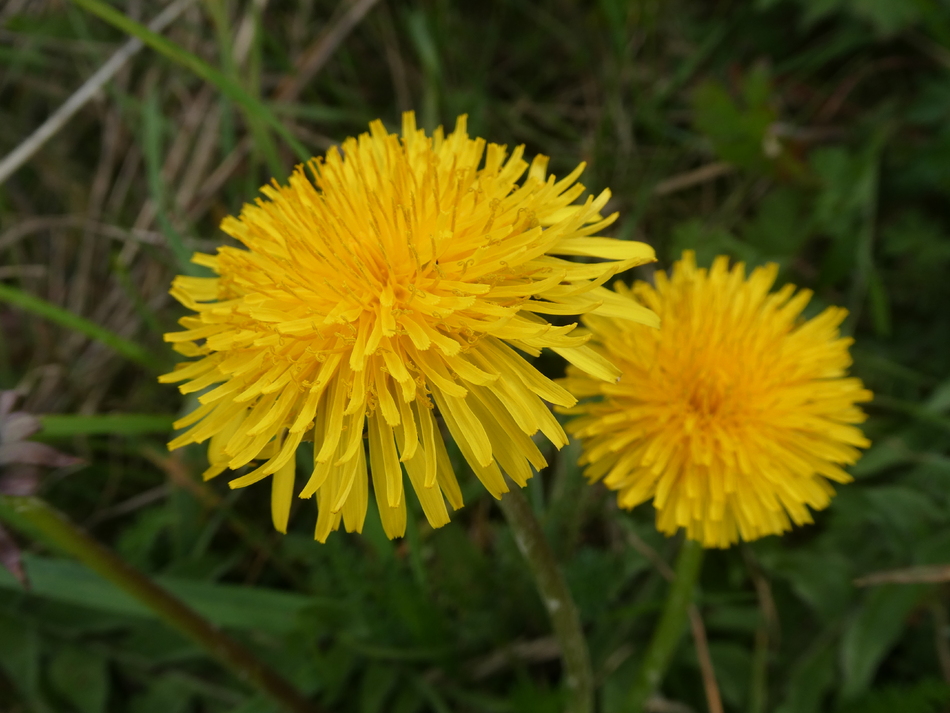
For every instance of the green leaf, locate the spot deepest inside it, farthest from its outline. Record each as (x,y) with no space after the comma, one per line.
(887,16)
(733,665)
(736,129)
(821,579)
(251,608)
(810,682)
(532,697)
(20,655)
(408,701)
(873,632)
(708,242)
(939,401)
(113,424)
(780,227)
(256,705)
(166,695)
(80,677)
(378,682)
(902,511)
(882,456)
(596,577)
(927,696)
(734,618)
(139,539)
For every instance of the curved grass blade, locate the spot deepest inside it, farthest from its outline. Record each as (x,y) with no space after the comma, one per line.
(63,317)
(255,109)
(113,424)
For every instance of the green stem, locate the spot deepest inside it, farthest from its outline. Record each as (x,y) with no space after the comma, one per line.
(36,518)
(556,597)
(670,629)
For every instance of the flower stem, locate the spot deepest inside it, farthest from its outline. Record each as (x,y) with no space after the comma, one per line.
(556,597)
(36,518)
(672,624)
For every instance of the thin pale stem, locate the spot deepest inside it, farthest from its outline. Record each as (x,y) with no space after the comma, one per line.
(557,599)
(36,518)
(670,629)
(710,686)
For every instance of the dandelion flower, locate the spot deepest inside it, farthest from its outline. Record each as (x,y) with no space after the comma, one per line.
(733,417)
(393,282)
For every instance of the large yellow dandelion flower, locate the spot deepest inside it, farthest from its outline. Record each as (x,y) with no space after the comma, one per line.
(733,416)
(391,286)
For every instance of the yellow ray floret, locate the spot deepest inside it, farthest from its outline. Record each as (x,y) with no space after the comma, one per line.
(733,416)
(380,294)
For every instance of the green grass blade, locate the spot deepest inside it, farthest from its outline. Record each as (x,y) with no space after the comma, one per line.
(152,142)
(253,107)
(118,424)
(262,138)
(42,308)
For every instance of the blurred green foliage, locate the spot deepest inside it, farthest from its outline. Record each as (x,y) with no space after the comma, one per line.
(812,133)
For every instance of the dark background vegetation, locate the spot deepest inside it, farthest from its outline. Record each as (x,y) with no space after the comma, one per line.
(814,133)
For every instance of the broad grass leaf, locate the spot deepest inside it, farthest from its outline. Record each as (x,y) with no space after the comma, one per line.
(20,655)
(881,457)
(903,512)
(138,540)
(113,424)
(934,549)
(408,700)
(532,697)
(872,633)
(165,695)
(251,608)
(821,579)
(257,705)
(153,641)
(80,677)
(376,686)
(926,696)
(733,619)
(733,666)
(810,682)
(887,17)
(939,400)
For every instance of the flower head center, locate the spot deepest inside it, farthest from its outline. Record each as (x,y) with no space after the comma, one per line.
(713,394)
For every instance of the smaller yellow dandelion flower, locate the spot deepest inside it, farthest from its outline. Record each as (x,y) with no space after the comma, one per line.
(733,416)
(387,283)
